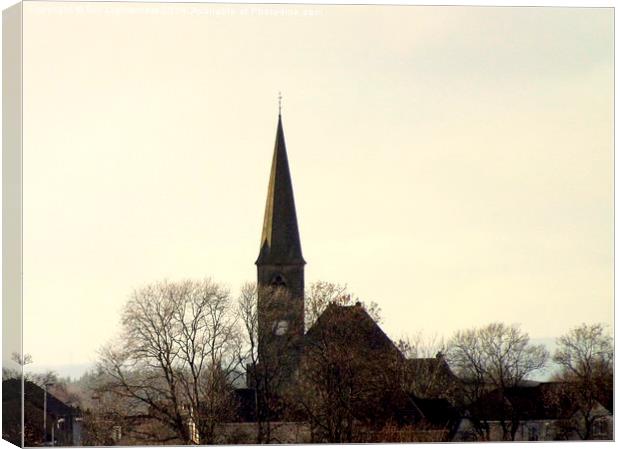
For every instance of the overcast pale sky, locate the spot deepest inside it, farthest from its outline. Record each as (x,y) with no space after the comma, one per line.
(453,164)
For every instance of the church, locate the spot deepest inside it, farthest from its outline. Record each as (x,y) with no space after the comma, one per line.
(280,274)
(334,372)
(280,264)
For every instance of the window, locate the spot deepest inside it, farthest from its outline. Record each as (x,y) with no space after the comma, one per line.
(599,427)
(280,327)
(116,433)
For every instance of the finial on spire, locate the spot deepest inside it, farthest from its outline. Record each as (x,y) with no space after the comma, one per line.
(279,103)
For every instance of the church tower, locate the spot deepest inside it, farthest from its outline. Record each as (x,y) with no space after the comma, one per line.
(280,262)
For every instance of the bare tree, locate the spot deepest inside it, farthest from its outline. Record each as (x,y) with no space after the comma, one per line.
(178,355)
(40,378)
(24,360)
(495,357)
(418,345)
(585,355)
(322,294)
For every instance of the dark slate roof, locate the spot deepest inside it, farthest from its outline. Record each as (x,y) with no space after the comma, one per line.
(352,323)
(544,400)
(434,365)
(424,363)
(280,243)
(33,394)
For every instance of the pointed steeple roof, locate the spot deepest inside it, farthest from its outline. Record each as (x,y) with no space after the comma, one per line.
(280,243)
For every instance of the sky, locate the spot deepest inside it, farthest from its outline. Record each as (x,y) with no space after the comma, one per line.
(453,164)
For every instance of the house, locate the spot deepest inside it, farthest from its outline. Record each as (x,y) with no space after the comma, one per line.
(538,411)
(63,423)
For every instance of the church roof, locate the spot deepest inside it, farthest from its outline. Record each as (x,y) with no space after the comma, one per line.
(351,325)
(33,396)
(280,243)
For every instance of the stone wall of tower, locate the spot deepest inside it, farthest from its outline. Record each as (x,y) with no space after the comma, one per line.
(281,299)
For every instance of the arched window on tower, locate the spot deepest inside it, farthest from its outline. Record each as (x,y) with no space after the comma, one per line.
(278,281)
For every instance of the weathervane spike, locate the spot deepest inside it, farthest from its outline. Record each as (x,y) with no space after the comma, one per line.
(279,103)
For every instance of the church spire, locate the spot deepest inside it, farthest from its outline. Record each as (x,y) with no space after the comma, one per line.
(280,243)
(280,266)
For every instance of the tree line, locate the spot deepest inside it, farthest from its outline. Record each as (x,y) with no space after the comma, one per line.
(185,347)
